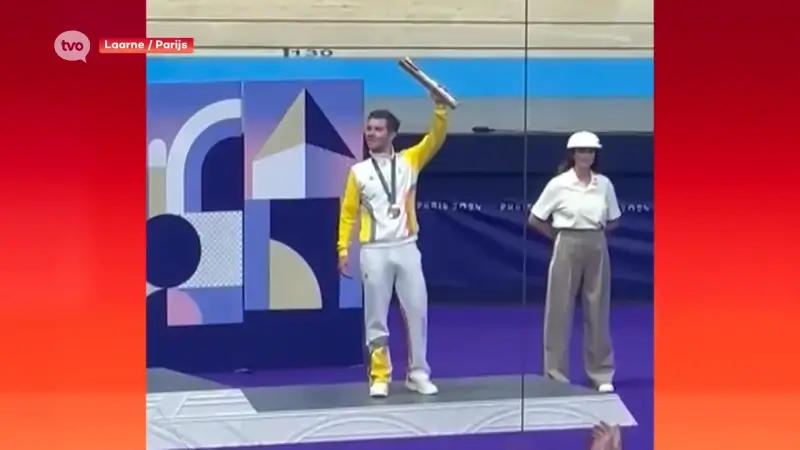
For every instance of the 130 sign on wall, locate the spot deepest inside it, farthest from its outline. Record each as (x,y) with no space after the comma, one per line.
(289,52)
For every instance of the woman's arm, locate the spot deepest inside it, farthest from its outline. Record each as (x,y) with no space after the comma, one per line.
(542,227)
(614,213)
(539,218)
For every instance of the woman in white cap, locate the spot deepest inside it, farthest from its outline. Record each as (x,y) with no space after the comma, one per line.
(576,209)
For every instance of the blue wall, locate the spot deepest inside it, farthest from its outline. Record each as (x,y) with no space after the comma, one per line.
(551,77)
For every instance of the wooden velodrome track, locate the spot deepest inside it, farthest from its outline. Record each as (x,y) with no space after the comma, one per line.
(389,28)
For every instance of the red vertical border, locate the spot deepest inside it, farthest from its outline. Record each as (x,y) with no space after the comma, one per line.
(727,191)
(73,191)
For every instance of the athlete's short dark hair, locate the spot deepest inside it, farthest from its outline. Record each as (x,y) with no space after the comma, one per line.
(392,122)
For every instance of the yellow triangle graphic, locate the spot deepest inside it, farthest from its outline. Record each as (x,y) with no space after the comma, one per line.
(290,132)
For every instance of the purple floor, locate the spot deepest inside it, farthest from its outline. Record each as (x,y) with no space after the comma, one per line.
(474,341)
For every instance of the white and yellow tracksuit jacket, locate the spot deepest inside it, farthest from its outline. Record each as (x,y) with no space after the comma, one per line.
(365,199)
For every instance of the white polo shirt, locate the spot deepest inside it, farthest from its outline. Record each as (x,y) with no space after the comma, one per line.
(574,205)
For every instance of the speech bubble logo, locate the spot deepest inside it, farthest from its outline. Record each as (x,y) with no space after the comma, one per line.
(72,46)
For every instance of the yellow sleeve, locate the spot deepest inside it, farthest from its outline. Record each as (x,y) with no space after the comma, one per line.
(419,155)
(347,214)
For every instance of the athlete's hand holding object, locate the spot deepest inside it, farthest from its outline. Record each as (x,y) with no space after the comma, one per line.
(438,92)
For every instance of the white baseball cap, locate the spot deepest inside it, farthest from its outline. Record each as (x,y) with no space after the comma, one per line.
(584,139)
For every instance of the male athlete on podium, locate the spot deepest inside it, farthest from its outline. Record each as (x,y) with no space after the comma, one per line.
(380,194)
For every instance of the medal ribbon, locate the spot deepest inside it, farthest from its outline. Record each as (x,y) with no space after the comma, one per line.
(391,193)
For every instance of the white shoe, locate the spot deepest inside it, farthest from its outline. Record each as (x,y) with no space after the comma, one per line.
(421,383)
(379,389)
(605,388)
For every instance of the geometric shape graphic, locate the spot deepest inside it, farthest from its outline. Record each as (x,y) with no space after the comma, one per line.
(341,102)
(256,254)
(173,250)
(182,309)
(220,235)
(156,310)
(325,172)
(292,283)
(303,148)
(298,172)
(156,177)
(280,175)
(156,191)
(157,153)
(308,228)
(186,121)
(268,416)
(212,248)
(290,131)
(150,289)
(319,130)
(220,179)
(188,152)
(218,305)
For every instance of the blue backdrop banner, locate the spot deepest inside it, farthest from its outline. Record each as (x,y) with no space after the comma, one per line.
(479,251)
(474,199)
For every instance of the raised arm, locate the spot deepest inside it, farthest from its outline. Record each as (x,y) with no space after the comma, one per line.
(347,215)
(419,155)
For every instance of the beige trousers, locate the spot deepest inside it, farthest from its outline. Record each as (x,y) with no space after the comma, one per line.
(580,261)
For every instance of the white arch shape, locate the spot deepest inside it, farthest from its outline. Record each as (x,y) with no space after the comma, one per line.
(157,154)
(188,133)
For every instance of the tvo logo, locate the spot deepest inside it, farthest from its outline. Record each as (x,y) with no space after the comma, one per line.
(72,46)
